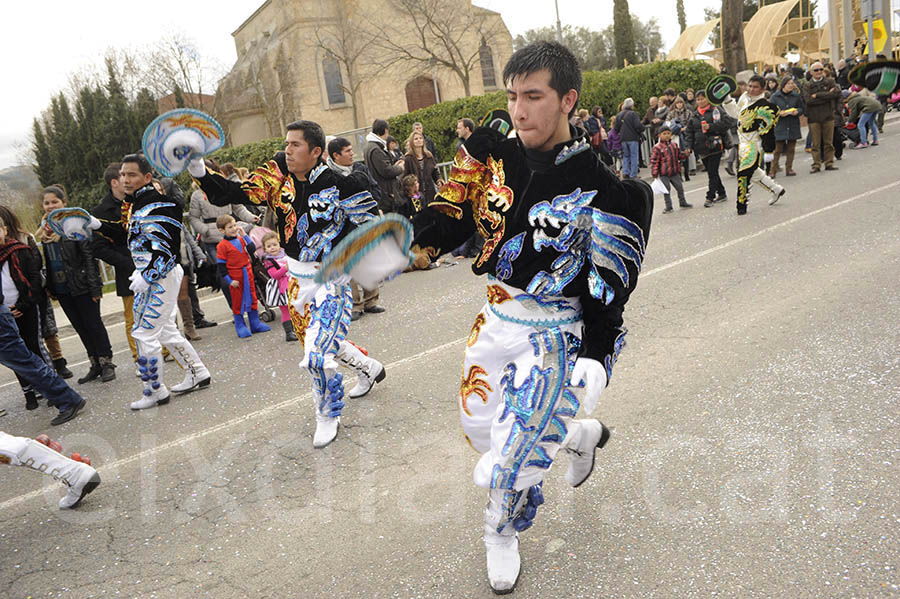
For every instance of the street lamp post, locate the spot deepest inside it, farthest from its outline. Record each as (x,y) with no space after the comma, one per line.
(558,23)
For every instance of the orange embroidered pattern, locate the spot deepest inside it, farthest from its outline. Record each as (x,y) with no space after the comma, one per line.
(193,122)
(484,186)
(472,385)
(476,329)
(298,320)
(497,294)
(268,185)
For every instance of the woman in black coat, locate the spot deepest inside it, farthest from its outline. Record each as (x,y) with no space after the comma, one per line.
(73,279)
(420,162)
(705,135)
(787,131)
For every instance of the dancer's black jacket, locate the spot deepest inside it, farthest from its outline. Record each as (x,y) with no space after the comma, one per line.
(496,182)
(303,236)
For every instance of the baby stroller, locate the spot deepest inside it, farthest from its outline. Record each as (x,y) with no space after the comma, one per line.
(260,275)
(850,133)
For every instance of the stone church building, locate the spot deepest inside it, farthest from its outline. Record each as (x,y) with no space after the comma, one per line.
(339,63)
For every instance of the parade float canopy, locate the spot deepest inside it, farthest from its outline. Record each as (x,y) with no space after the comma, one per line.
(767,36)
(691,39)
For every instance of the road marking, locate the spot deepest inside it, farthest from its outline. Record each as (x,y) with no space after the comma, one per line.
(415,357)
(786,223)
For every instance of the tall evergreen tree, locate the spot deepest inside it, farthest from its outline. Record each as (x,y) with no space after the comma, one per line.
(179,97)
(624,34)
(64,145)
(145,109)
(89,111)
(119,130)
(682,19)
(42,166)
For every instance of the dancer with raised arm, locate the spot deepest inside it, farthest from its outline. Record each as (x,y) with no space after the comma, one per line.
(314,209)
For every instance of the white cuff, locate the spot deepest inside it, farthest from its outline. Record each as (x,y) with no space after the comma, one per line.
(197,168)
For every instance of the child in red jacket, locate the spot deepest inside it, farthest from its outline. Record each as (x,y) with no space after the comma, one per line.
(665,164)
(233,257)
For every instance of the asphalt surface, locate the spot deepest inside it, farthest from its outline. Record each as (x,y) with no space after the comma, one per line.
(755,450)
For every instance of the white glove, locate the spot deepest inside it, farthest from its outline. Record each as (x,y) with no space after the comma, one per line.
(592,375)
(342,280)
(197,168)
(94,224)
(138,283)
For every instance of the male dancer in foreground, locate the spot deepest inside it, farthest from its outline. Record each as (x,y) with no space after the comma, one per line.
(314,209)
(564,242)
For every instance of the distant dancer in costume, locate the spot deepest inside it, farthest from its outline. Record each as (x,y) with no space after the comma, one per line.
(314,209)
(564,243)
(758,117)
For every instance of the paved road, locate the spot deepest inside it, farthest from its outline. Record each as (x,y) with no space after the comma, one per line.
(755,414)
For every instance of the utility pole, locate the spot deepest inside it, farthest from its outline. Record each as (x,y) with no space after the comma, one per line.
(558,23)
(867,8)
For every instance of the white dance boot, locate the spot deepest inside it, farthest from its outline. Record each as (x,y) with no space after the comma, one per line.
(155,392)
(368,369)
(507,512)
(326,430)
(777,193)
(78,478)
(584,438)
(196,376)
(328,412)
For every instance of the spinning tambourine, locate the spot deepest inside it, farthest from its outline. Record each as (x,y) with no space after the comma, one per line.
(374,252)
(719,88)
(880,76)
(173,139)
(70,223)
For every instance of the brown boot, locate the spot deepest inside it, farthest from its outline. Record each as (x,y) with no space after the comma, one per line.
(187,319)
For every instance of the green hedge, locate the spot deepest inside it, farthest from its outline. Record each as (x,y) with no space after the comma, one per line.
(602,88)
(607,89)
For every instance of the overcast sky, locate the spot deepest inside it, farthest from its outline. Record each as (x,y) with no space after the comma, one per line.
(43,41)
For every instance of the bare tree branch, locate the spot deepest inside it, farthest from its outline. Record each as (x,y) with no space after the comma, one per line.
(442,33)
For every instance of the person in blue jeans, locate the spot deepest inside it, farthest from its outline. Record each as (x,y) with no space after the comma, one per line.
(18,358)
(629,128)
(864,108)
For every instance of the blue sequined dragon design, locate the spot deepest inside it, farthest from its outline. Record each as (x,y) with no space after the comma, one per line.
(609,241)
(327,205)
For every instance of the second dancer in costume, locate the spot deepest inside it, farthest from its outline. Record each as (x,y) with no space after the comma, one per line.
(314,209)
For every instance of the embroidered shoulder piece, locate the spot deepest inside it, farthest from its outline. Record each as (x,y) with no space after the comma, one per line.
(578,146)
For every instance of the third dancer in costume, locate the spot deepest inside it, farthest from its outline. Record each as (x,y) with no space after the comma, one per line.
(757,119)
(314,209)
(564,245)
(154,239)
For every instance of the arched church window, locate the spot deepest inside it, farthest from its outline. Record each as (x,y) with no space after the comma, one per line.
(334,82)
(487,65)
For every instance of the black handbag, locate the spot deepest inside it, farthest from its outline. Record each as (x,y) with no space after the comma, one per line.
(713,144)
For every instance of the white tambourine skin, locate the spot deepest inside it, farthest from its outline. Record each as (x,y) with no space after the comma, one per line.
(181,145)
(380,263)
